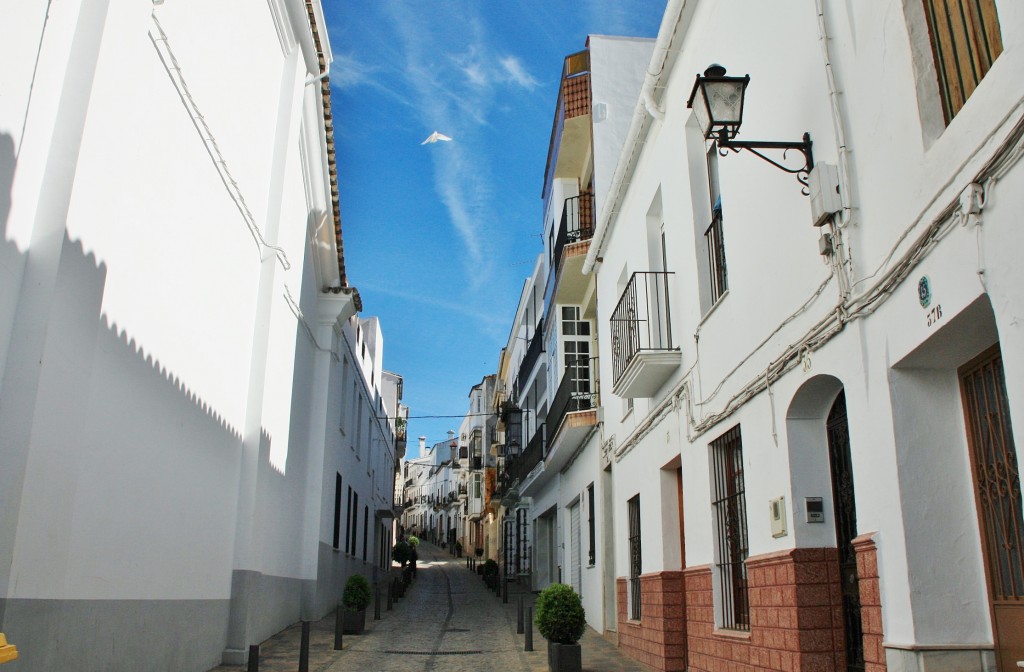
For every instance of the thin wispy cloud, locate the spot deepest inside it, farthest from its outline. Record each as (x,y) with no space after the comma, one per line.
(487,320)
(517,73)
(453,79)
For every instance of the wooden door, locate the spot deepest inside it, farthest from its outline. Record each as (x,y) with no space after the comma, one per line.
(845,515)
(997,492)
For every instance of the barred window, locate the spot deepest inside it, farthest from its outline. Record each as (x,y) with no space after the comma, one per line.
(634,558)
(731,527)
(965,39)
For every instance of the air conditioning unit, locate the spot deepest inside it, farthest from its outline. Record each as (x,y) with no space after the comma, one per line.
(823,184)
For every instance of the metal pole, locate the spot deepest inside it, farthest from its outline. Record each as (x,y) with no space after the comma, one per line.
(504,590)
(391,597)
(254,658)
(519,616)
(529,629)
(376,602)
(339,627)
(304,648)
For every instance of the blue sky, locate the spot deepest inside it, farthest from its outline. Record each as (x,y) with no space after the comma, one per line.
(439,238)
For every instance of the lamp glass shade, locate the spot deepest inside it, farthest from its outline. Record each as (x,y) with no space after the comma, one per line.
(718,104)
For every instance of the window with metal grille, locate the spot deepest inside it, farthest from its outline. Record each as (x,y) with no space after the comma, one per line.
(731,528)
(366,529)
(337,510)
(590,523)
(714,241)
(635,557)
(965,39)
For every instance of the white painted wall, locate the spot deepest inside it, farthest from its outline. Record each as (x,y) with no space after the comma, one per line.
(897,369)
(172,391)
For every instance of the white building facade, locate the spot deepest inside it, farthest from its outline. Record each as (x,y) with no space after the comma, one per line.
(811,450)
(179,355)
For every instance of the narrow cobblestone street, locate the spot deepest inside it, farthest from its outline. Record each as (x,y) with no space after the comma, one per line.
(447,622)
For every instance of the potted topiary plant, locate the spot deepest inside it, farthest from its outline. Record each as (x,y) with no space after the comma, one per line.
(561,620)
(401,553)
(356,599)
(490,573)
(458,549)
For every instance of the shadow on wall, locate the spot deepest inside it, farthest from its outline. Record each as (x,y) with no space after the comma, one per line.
(148,469)
(7,163)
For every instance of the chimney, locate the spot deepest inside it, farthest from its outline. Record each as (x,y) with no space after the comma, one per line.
(423,445)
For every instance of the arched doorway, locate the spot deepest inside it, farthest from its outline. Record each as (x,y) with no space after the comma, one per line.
(822,468)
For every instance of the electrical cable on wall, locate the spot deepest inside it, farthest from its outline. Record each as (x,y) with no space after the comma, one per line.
(170,63)
(864,304)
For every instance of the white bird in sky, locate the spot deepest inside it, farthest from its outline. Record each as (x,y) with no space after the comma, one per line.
(434,137)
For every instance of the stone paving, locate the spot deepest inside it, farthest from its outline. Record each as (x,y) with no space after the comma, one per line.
(448,622)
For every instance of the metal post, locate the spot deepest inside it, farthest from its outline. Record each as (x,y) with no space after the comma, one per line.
(339,627)
(391,597)
(519,616)
(376,602)
(254,658)
(304,648)
(529,629)
(504,590)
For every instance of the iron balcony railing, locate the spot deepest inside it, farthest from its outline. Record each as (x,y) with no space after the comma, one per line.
(519,467)
(532,354)
(577,224)
(719,281)
(642,319)
(577,391)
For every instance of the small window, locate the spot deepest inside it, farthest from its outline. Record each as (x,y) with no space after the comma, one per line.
(348,521)
(966,39)
(635,558)
(729,504)
(366,529)
(337,510)
(591,554)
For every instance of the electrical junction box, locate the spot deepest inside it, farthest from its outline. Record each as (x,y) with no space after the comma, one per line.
(823,185)
(777,507)
(815,509)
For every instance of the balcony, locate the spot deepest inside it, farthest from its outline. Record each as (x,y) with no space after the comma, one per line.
(570,143)
(577,394)
(520,466)
(577,224)
(531,357)
(641,329)
(566,281)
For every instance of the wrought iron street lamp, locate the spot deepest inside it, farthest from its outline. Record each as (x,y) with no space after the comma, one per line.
(717,102)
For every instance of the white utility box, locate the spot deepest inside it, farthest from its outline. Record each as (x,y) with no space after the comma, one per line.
(823,184)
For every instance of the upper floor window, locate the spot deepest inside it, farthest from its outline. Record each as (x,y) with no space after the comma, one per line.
(965,39)
(718,281)
(572,325)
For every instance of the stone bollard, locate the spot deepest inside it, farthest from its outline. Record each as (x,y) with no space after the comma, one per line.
(304,648)
(519,616)
(254,658)
(529,629)
(339,628)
